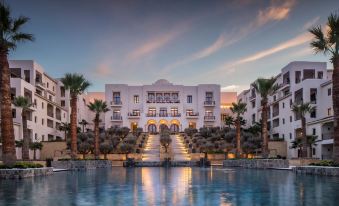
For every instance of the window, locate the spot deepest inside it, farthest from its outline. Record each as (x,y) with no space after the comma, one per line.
(313,95)
(62,103)
(174,112)
(42,105)
(290,135)
(116,97)
(329,111)
(136,112)
(163,112)
(329,91)
(313,113)
(253,104)
(189,112)
(283,120)
(283,105)
(291,119)
(36,136)
(209,96)
(35,119)
(253,118)
(276,122)
(14,113)
(151,112)
(313,151)
(189,98)
(320,75)
(50,97)
(43,137)
(274,98)
(27,76)
(42,121)
(136,99)
(50,123)
(53,88)
(297,76)
(62,91)
(47,84)
(313,131)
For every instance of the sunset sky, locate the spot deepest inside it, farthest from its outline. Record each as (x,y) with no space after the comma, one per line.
(230,43)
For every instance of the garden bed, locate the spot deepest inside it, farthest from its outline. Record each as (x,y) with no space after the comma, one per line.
(257,163)
(24,170)
(81,164)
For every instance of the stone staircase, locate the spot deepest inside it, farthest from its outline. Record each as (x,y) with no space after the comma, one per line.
(152,149)
(179,151)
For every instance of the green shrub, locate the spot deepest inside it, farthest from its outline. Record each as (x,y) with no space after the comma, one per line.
(22,165)
(325,163)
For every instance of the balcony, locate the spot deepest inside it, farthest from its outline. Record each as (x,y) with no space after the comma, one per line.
(116,118)
(192,115)
(116,103)
(163,101)
(163,115)
(176,115)
(209,103)
(133,115)
(326,136)
(209,118)
(151,115)
(40,84)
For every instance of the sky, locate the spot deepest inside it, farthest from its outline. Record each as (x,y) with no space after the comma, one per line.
(229,42)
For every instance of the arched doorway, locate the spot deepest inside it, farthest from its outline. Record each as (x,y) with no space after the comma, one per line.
(174,128)
(163,127)
(152,128)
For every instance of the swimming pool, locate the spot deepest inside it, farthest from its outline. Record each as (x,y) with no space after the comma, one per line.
(172,186)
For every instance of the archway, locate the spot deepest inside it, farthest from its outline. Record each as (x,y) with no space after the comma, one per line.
(174,128)
(152,128)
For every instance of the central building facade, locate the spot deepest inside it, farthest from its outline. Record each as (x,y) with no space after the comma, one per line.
(162,103)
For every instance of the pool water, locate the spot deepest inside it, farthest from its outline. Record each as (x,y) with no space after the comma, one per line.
(172,186)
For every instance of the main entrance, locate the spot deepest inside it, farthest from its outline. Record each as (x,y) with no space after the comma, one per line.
(152,128)
(174,128)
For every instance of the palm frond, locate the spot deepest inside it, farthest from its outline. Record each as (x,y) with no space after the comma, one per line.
(17,23)
(319,43)
(20,37)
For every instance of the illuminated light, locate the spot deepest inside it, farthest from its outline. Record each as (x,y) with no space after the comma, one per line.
(230,156)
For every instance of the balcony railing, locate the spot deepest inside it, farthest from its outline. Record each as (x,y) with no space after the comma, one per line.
(176,115)
(209,103)
(192,115)
(41,84)
(151,115)
(116,103)
(131,114)
(163,101)
(326,136)
(116,117)
(209,118)
(275,113)
(163,115)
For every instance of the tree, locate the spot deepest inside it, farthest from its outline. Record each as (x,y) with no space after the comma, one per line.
(65,127)
(229,121)
(98,107)
(297,144)
(312,141)
(11,35)
(238,109)
(106,148)
(190,132)
(126,148)
(301,110)
(76,84)
(85,143)
(83,124)
(165,141)
(329,44)
(265,87)
(35,146)
(24,104)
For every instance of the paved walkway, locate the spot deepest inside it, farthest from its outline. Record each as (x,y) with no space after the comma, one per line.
(179,150)
(152,149)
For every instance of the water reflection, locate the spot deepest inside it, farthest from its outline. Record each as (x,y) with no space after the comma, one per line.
(172,186)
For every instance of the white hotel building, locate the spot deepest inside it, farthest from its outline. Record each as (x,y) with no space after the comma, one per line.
(163,103)
(300,82)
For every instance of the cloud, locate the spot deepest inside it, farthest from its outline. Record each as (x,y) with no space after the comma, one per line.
(275,12)
(155,43)
(296,41)
(234,88)
(311,23)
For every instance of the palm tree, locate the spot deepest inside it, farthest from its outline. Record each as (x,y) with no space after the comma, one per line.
(265,87)
(76,84)
(301,110)
(238,109)
(65,127)
(297,144)
(83,124)
(98,107)
(24,104)
(329,44)
(229,121)
(35,146)
(11,35)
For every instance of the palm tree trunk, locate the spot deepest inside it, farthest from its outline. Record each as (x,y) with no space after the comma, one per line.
(26,140)
(264,131)
(304,145)
(238,137)
(34,154)
(96,136)
(7,130)
(335,99)
(74,126)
